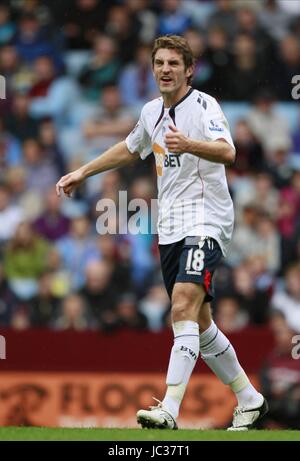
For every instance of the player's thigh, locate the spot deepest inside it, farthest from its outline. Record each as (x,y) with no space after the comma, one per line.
(170,259)
(200,256)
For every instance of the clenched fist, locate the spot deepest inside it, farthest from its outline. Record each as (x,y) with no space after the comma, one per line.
(175,141)
(69,182)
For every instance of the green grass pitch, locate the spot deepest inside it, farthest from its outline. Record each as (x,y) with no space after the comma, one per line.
(74,434)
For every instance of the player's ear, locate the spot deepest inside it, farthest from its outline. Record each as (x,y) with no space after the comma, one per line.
(189,71)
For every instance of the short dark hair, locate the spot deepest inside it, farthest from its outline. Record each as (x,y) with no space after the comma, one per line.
(180,44)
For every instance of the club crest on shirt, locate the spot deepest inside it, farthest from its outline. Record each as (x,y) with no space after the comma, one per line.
(213,126)
(159,154)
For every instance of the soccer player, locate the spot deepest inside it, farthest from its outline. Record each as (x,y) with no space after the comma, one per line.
(189,136)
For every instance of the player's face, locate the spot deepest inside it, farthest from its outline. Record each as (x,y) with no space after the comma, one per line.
(169,71)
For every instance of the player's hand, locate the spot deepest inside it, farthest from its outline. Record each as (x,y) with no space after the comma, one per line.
(175,141)
(69,182)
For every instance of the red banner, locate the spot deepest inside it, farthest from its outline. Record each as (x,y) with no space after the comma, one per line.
(89,351)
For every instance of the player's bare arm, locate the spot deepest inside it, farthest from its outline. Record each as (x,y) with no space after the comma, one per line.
(115,157)
(214,151)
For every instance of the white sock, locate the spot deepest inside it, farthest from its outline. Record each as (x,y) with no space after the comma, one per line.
(219,354)
(249,397)
(183,357)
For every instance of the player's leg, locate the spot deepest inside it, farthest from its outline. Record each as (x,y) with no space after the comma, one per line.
(219,354)
(186,301)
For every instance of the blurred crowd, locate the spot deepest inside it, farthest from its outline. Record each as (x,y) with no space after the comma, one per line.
(77,74)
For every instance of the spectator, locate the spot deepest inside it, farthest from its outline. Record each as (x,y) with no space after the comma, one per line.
(279,166)
(110,250)
(21,317)
(9,62)
(124,29)
(257,191)
(102,69)
(128,314)
(247,74)
(289,7)
(137,84)
(287,299)
(142,258)
(8,301)
(19,122)
(52,224)
(248,23)
(145,18)
(250,155)
(10,151)
(173,20)
(219,56)
(7,27)
(10,215)
(268,242)
(112,122)
(74,315)
(52,94)
(274,20)
(109,187)
(61,278)
(229,317)
(288,215)
(289,65)
(84,21)
(154,306)
(203,69)
(280,379)
(296,139)
(224,17)
(25,259)
(18,77)
(295,25)
(41,172)
(32,42)
(27,200)
(266,124)
(45,304)
(265,195)
(250,299)
(263,278)
(45,74)
(244,236)
(100,294)
(37,7)
(77,249)
(50,144)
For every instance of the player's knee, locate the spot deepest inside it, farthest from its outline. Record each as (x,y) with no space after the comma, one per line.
(180,312)
(184,304)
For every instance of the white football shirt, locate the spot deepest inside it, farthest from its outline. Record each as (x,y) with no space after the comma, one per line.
(193,196)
